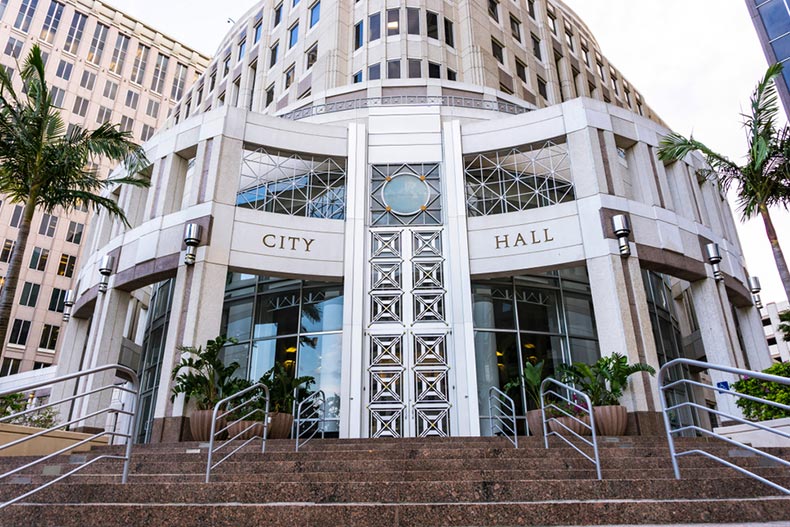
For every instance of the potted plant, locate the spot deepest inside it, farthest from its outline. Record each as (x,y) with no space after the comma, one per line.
(248,419)
(203,377)
(530,379)
(282,387)
(574,416)
(604,382)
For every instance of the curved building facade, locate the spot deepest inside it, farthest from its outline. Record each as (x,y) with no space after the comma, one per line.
(412,240)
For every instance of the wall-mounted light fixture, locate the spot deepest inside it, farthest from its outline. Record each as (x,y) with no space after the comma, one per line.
(192,240)
(755,288)
(105,270)
(68,303)
(622,229)
(714,258)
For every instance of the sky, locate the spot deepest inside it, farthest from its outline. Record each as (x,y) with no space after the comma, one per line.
(696,62)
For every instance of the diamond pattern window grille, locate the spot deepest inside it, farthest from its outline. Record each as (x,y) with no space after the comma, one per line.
(519,179)
(293,184)
(381,215)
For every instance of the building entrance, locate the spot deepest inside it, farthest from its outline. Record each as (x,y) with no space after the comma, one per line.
(406,354)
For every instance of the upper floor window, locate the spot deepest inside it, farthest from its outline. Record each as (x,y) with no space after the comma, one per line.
(25,15)
(393,22)
(493,9)
(119,54)
(160,71)
(51,22)
(257,32)
(413,21)
(74,36)
(315,13)
(449,38)
(278,15)
(242,49)
(552,23)
(179,81)
(536,47)
(498,50)
(359,35)
(515,28)
(140,63)
(432,25)
(48,225)
(293,35)
(96,50)
(374,27)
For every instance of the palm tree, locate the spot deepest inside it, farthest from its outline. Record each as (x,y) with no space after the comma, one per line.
(764,180)
(43,166)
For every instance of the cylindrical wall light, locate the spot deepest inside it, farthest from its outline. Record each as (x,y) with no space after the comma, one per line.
(622,229)
(192,240)
(68,303)
(714,258)
(105,269)
(755,288)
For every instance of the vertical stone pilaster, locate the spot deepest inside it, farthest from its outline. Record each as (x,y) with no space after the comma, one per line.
(623,322)
(716,338)
(196,316)
(466,421)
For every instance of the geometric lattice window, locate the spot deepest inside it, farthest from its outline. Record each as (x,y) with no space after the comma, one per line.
(518,179)
(293,184)
(430,210)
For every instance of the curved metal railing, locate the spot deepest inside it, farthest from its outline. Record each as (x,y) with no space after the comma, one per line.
(311,410)
(589,424)
(702,431)
(405,100)
(255,410)
(134,390)
(504,420)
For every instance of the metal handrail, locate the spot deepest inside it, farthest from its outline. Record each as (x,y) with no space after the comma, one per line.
(216,416)
(688,404)
(588,409)
(110,410)
(313,415)
(504,421)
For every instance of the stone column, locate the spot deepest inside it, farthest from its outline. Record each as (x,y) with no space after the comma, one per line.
(196,314)
(353,374)
(707,296)
(623,323)
(757,352)
(70,359)
(466,418)
(104,347)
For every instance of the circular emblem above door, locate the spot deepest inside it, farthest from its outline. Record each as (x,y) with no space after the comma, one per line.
(406,194)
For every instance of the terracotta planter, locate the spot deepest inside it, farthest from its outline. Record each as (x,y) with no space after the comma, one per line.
(200,424)
(611,420)
(280,425)
(535,422)
(572,424)
(239,426)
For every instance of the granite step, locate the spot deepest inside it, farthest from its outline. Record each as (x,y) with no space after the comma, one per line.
(411,514)
(448,491)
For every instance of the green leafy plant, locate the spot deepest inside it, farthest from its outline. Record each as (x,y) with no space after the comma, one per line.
(12,403)
(282,386)
(530,379)
(203,376)
(770,391)
(16,402)
(606,380)
(47,166)
(784,327)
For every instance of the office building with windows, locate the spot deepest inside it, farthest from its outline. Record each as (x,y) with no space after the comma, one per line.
(102,65)
(771,19)
(408,202)
(777,345)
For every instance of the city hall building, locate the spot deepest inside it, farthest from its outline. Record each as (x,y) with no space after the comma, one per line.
(408,201)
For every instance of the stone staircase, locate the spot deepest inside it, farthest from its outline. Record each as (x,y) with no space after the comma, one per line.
(409,482)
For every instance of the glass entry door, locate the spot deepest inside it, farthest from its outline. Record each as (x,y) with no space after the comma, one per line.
(406,354)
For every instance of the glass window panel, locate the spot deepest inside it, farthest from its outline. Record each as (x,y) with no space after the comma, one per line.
(776,18)
(277,314)
(579,315)
(584,350)
(320,357)
(322,309)
(237,319)
(237,353)
(537,310)
(537,348)
(493,306)
(497,359)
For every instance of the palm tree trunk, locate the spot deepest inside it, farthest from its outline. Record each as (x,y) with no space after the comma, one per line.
(781,263)
(14,267)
